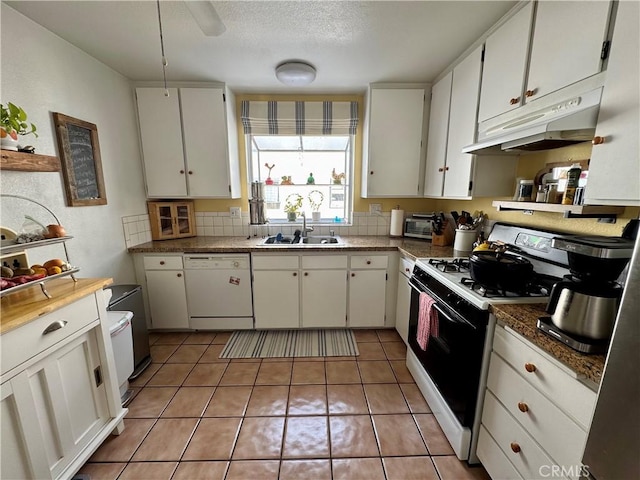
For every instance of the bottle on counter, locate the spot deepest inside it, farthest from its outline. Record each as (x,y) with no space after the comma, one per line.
(573,179)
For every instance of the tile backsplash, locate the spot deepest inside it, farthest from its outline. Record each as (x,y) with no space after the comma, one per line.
(137,229)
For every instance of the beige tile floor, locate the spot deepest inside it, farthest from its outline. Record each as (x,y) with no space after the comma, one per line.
(196,416)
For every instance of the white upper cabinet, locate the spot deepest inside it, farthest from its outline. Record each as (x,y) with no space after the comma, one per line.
(189,142)
(393,146)
(437,140)
(614,169)
(544,47)
(450,173)
(505,63)
(567,44)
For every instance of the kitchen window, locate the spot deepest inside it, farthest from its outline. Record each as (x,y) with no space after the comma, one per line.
(303,153)
(315,169)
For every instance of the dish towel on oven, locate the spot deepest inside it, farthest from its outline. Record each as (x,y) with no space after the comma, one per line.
(427,321)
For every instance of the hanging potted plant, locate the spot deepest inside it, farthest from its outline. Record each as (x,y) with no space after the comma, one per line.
(292,206)
(315,198)
(13,122)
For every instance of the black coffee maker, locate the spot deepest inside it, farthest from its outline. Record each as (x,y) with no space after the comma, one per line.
(583,305)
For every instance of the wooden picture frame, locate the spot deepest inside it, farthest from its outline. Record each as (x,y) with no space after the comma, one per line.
(80,160)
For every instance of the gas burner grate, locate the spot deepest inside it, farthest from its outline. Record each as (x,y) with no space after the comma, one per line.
(534,289)
(455,265)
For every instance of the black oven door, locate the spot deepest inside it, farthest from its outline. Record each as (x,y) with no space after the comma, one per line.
(453,359)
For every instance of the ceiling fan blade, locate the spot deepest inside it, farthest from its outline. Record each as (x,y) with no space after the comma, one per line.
(206,17)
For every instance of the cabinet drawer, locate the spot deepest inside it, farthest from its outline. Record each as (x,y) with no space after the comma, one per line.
(275,262)
(21,344)
(508,434)
(558,384)
(561,437)
(405,266)
(369,261)
(493,459)
(324,261)
(163,262)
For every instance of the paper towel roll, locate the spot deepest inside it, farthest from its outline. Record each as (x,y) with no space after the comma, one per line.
(397,223)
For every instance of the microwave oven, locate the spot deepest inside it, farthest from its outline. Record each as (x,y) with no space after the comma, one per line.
(419,225)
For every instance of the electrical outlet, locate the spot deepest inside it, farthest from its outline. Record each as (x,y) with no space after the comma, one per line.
(375,208)
(235,212)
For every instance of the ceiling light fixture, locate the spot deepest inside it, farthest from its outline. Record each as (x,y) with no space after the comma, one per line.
(295,74)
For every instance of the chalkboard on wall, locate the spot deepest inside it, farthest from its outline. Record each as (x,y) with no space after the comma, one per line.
(81,165)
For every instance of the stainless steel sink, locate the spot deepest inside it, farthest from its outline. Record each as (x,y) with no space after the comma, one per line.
(321,240)
(310,240)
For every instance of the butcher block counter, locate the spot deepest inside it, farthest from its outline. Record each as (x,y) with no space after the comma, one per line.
(22,307)
(523,319)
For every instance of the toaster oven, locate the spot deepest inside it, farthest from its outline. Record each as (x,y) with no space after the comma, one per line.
(419,225)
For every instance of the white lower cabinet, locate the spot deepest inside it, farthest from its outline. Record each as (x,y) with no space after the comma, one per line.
(536,412)
(59,404)
(164,277)
(323,290)
(276,291)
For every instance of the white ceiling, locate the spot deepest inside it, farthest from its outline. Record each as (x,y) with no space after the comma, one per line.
(351,43)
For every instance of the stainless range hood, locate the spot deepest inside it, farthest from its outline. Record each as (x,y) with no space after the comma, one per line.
(555,125)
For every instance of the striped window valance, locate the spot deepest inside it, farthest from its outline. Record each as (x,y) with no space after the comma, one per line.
(299,118)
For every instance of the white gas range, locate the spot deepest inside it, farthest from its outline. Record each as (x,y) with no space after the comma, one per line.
(451,373)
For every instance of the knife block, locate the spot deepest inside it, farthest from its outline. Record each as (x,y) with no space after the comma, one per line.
(444,239)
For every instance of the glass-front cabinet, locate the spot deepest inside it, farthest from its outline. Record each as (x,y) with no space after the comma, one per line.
(171,220)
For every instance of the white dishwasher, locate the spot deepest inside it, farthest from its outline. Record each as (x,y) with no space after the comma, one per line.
(218,291)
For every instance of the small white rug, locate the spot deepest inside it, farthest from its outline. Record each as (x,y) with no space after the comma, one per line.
(290,343)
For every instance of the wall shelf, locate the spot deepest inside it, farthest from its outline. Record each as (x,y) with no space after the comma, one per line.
(568,211)
(28,162)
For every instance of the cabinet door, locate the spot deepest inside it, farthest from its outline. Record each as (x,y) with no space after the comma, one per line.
(367,292)
(465,91)
(324,298)
(185,225)
(161,218)
(438,132)
(614,170)
(205,141)
(402,307)
(276,298)
(395,142)
(20,435)
(161,136)
(505,62)
(566,45)
(167,299)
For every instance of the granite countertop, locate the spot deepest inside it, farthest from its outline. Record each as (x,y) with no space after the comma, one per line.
(22,307)
(523,318)
(408,247)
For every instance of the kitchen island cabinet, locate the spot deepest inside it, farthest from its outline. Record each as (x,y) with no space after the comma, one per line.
(189,142)
(393,157)
(59,391)
(614,169)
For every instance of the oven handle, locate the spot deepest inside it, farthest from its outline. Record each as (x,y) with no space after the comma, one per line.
(451,316)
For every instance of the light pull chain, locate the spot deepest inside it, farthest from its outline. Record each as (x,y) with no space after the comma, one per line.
(164,59)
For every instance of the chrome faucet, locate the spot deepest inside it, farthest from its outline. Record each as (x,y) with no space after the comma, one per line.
(305,229)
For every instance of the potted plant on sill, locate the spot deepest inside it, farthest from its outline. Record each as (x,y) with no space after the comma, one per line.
(315,198)
(13,122)
(292,206)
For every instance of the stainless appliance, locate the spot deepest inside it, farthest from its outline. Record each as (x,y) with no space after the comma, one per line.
(129,298)
(584,305)
(613,443)
(452,371)
(419,225)
(257,214)
(218,291)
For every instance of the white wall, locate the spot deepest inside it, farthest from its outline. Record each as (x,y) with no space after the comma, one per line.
(43,73)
